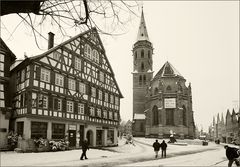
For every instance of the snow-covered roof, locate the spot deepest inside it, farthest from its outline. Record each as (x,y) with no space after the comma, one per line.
(139,116)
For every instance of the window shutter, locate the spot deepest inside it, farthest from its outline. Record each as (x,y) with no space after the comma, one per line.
(66,82)
(77,85)
(38,72)
(55,103)
(75,107)
(64,107)
(52,77)
(50,104)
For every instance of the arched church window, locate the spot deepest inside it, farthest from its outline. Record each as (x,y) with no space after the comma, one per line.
(142,53)
(184,115)
(149,56)
(155,91)
(155,119)
(169,88)
(169,116)
(144,79)
(140,80)
(142,66)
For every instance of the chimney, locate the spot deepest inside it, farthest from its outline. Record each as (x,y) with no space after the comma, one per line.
(50,40)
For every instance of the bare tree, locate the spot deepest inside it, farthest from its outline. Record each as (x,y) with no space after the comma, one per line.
(106,15)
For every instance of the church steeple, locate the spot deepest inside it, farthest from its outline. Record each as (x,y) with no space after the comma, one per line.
(142,31)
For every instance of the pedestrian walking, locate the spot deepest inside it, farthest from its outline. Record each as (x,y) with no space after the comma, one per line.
(156,146)
(164,148)
(232,155)
(85,147)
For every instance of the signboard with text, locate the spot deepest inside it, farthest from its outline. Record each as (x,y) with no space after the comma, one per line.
(170,103)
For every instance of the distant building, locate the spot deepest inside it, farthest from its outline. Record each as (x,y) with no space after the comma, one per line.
(226,131)
(68,92)
(6,59)
(161,103)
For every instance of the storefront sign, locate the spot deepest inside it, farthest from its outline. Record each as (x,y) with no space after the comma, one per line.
(72,127)
(170,102)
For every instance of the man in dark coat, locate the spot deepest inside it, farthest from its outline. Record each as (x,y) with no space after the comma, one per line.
(164,148)
(156,146)
(84,149)
(232,154)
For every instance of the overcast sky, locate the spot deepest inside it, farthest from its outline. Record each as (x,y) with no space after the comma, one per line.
(200,39)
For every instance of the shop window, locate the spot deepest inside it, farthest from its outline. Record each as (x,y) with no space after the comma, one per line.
(58,131)
(38,130)
(110,137)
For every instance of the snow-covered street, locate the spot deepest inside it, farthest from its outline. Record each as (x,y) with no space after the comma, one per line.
(141,154)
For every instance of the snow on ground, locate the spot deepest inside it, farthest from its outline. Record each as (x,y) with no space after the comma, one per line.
(109,156)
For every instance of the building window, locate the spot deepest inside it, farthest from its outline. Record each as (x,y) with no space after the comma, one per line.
(2,101)
(58,131)
(92,111)
(34,99)
(155,115)
(22,75)
(99,112)
(71,84)
(100,95)
(136,55)
(87,51)
(93,91)
(38,130)
(82,88)
(106,97)
(45,75)
(169,88)
(105,114)
(59,80)
(70,106)
(20,127)
(42,101)
(56,56)
(115,116)
(142,53)
(57,104)
(80,108)
(116,101)
(111,99)
(95,56)
(142,66)
(149,54)
(144,79)
(110,115)
(101,76)
(1,65)
(140,80)
(78,63)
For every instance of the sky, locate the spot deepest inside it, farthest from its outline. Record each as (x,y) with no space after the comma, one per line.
(199,38)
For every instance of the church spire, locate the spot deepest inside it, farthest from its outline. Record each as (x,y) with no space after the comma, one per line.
(142,31)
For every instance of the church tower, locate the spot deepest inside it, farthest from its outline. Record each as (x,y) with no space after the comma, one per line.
(142,74)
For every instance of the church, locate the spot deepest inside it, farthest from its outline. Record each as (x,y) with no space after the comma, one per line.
(162,104)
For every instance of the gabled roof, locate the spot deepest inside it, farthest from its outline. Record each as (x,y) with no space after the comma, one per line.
(142,31)
(4,47)
(167,70)
(94,30)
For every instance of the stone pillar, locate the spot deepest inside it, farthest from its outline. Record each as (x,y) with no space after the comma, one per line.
(49,130)
(160,132)
(77,136)
(104,137)
(27,129)
(115,136)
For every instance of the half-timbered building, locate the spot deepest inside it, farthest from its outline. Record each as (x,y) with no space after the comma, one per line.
(6,59)
(68,92)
